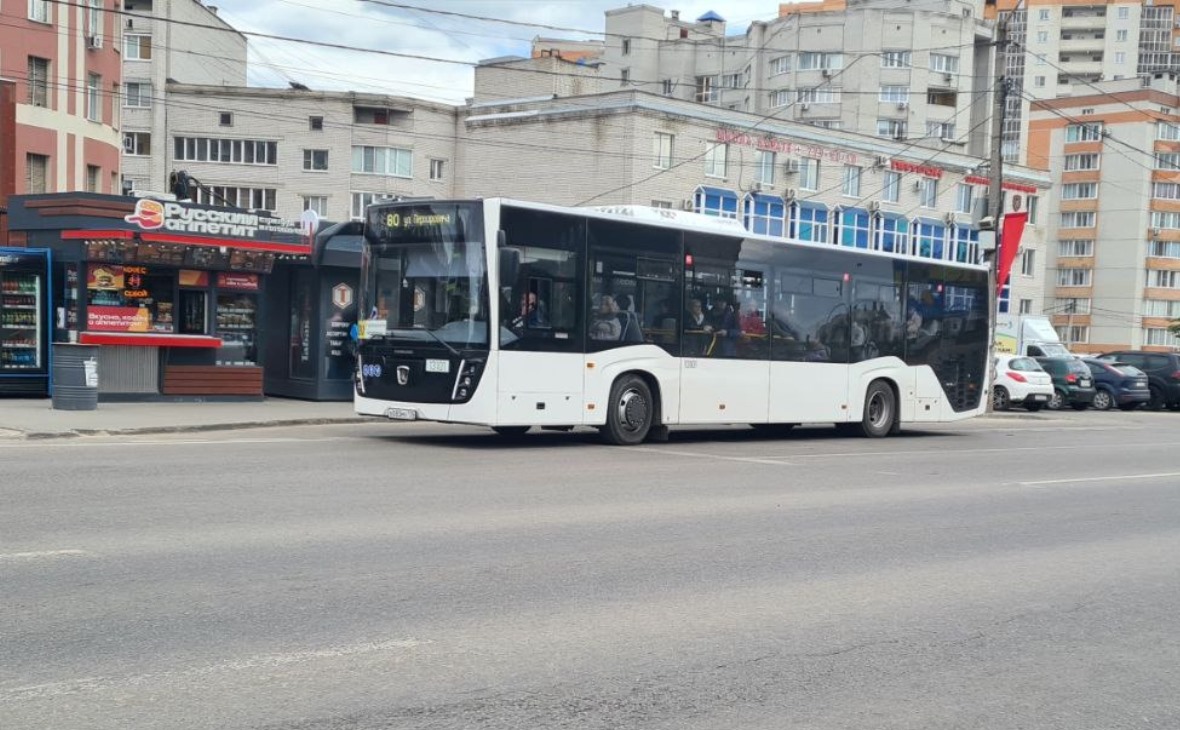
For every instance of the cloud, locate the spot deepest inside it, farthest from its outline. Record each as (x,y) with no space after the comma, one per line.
(417,32)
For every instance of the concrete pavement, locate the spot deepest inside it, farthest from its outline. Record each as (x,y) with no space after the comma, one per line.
(36,418)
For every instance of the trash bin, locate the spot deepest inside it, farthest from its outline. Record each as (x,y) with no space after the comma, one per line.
(75,377)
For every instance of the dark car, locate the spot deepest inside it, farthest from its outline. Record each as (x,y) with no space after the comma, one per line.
(1163,374)
(1072,383)
(1117,384)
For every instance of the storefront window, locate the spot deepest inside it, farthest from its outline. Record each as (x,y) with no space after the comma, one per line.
(237,319)
(128,299)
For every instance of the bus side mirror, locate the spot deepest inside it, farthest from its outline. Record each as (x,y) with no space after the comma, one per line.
(509,263)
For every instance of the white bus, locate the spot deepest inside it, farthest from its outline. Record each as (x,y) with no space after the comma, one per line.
(517,315)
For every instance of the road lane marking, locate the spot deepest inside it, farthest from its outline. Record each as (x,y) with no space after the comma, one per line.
(41,444)
(260,661)
(1075,480)
(710,457)
(34,555)
(945,452)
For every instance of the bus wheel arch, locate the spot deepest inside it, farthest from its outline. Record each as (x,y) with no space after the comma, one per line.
(634,408)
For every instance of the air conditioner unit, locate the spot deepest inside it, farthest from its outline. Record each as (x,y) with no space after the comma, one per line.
(94,41)
(789,194)
(917,185)
(874,206)
(756,186)
(881,161)
(827,73)
(949,77)
(687,204)
(903,105)
(791,167)
(130,23)
(805,106)
(129,145)
(1155,231)
(949,218)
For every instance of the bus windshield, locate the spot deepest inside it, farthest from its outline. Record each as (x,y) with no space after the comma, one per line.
(424,276)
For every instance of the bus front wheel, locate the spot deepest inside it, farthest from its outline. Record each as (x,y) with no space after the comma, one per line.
(880,414)
(629,418)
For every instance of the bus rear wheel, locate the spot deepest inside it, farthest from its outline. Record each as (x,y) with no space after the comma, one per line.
(629,417)
(880,416)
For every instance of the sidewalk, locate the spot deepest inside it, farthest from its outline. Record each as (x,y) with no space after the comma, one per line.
(36,418)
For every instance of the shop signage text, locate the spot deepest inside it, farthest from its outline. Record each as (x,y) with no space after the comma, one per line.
(786,146)
(1018,187)
(926,170)
(241,282)
(153,215)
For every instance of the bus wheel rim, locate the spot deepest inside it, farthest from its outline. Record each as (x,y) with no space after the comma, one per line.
(878,410)
(632,410)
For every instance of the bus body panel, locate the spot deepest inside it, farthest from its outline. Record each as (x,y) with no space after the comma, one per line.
(603,368)
(808,392)
(539,388)
(723,391)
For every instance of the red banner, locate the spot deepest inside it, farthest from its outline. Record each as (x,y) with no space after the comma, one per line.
(1010,234)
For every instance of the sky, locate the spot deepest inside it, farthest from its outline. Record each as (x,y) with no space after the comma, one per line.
(425,32)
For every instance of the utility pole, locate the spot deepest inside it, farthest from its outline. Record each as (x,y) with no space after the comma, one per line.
(995,191)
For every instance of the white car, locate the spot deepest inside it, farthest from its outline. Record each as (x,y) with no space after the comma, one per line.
(1020,381)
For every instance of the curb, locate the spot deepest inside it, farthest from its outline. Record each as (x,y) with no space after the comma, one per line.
(235,426)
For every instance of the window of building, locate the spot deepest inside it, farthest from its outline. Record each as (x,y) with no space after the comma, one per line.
(137,144)
(1160,337)
(94,23)
(1079,191)
(437,167)
(706,91)
(928,192)
(940,130)
(891,128)
(1124,13)
(1166,131)
(36,174)
(895,94)
(1120,58)
(1078,219)
(1075,247)
(1167,160)
(626,46)
(1072,305)
(891,191)
(851,187)
(1161,308)
(817,61)
(315,124)
(137,94)
(780,98)
(1164,219)
(715,160)
(1032,204)
(1120,36)
(624,76)
(93,178)
(39,10)
(964,198)
(1075,334)
(764,164)
(1025,306)
(235,151)
(662,150)
(1039,81)
(780,65)
(896,59)
(1089,132)
(315,159)
(360,201)
(731,81)
(238,197)
(825,123)
(137,47)
(391,161)
(944,63)
(1074,277)
(1163,279)
(819,95)
(225,119)
(1028,262)
(662,204)
(317,204)
(94,97)
(1165,190)
(1164,249)
(38,81)
(1042,36)
(1043,14)
(1087,161)
(1041,59)
(808,174)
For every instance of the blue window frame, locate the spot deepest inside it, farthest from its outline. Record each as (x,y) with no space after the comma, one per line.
(765,214)
(894,234)
(716,201)
(1002,302)
(809,222)
(966,244)
(854,227)
(930,238)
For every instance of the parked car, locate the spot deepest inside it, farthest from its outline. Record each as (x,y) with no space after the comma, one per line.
(1117,384)
(1020,381)
(1073,385)
(1163,374)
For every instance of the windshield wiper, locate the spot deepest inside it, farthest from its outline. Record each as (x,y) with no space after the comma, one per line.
(435,337)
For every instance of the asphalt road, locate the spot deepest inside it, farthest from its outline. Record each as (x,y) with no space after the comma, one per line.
(1001,573)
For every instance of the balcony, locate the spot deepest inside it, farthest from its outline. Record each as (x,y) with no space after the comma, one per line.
(1087,44)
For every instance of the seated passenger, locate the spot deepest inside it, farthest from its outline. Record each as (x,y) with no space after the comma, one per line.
(606,324)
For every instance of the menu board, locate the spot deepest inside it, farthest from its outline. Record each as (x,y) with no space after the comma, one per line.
(205,257)
(251,261)
(155,253)
(113,251)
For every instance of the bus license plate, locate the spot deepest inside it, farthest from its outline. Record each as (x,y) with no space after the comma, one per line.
(401,414)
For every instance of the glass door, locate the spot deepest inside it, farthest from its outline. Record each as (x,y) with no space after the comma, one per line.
(237,325)
(193,319)
(21,324)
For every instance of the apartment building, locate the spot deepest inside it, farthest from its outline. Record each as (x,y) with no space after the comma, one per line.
(1114,223)
(184,41)
(917,72)
(1063,48)
(290,150)
(59,108)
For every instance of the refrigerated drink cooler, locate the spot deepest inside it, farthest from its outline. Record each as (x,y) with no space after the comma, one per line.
(24,322)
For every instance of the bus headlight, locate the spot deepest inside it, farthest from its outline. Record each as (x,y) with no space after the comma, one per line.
(466,380)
